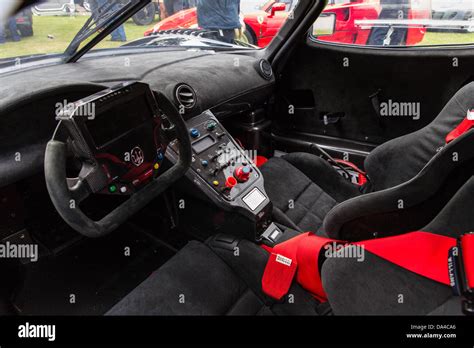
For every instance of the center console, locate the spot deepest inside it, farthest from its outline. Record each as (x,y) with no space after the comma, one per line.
(226,174)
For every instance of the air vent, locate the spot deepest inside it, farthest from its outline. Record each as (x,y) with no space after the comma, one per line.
(265,69)
(186,96)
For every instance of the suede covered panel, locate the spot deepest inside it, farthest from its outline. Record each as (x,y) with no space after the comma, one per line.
(411,218)
(450,307)
(298,185)
(413,75)
(283,182)
(247,304)
(28,97)
(377,284)
(436,183)
(249,263)
(400,159)
(214,281)
(456,218)
(324,175)
(191,273)
(163,70)
(373,287)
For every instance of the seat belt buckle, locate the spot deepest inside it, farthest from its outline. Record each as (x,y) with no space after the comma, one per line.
(271,235)
(461,271)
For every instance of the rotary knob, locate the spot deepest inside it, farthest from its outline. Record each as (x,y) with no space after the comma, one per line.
(242,173)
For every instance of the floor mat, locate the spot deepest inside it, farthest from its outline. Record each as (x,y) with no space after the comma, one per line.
(89,278)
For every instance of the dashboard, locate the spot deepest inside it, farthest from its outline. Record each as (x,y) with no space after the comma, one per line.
(225,82)
(119,137)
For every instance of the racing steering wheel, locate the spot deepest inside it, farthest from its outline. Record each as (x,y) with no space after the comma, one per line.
(64,190)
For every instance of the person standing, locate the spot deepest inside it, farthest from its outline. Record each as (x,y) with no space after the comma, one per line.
(174,6)
(97,6)
(11,24)
(221,16)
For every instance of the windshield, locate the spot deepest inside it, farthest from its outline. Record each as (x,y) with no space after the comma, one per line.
(62,28)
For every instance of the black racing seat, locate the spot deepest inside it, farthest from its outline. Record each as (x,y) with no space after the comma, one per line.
(223,277)
(207,279)
(411,179)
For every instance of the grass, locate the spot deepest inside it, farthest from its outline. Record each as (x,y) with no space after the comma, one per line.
(432,38)
(61,31)
(52,34)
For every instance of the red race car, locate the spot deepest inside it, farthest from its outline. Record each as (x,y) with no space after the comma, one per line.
(262,25)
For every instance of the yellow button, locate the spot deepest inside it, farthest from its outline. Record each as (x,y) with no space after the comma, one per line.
(156,166)
(215,183)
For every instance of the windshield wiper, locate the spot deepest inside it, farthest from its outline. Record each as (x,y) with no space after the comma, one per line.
(102,16)
(105,19)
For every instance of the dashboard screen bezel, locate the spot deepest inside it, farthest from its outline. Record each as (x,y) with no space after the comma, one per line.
(106,100)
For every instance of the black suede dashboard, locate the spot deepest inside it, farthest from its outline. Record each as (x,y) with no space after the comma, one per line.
(28,98)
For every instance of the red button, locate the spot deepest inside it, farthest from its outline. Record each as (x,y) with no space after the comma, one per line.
(230,182)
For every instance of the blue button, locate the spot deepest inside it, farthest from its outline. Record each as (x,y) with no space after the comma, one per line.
(194,133)
(205,163)
(246,170)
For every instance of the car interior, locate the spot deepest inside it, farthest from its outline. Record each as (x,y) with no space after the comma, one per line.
(198,164)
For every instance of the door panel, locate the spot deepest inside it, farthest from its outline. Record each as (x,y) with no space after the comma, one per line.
(353,86)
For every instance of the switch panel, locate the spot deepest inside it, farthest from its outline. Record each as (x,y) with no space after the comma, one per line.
(218,160)
(226,174)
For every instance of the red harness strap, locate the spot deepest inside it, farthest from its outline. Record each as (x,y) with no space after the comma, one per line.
(420,252)
(462,128)
(301,254)
(467,245)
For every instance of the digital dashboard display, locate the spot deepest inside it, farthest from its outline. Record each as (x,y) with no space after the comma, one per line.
(119,119)
(203,144)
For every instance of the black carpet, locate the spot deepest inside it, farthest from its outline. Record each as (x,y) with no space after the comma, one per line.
(96,271)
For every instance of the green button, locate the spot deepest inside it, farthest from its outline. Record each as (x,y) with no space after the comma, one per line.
(211,126)
(112,188)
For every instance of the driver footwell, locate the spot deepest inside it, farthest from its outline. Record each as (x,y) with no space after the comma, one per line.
(89,278)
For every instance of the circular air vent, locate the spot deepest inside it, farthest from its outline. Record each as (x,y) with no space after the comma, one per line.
(265,69)
(186,96)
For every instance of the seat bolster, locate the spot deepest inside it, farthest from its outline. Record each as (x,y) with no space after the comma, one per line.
(457,214)
(283,182)
(300,197)
(400,159)
(324,175)
(375,286)
(378,284)
(412,204)
(212,279)
(249,260)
